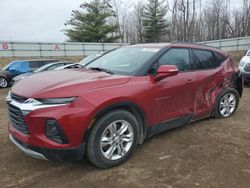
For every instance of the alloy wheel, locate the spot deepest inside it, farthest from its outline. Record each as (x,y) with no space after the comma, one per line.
(227,104)
(3,82)
(117,140)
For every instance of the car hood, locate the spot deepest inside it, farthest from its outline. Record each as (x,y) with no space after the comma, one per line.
(65,83)
(246,59)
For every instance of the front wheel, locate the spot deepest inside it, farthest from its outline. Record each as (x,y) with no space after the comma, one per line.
(3,82)
(227,103)
(113,139)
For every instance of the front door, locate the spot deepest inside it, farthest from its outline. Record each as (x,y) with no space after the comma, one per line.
(173,97)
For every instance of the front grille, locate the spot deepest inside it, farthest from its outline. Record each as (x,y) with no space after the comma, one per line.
(17,119)
(18,98)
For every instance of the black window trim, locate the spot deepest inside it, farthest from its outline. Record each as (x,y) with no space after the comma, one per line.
(191,59)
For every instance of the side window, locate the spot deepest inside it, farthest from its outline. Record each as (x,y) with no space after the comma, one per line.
(35,64)
(178,57)
(218,58)
(47,62)
(54,67)
(204,59)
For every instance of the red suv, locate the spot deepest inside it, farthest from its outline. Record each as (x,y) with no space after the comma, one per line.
(105,109)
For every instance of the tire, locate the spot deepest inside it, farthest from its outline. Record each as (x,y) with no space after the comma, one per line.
(114,150)
(3,82)
(227,102)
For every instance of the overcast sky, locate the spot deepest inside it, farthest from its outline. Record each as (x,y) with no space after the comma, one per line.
(38,20)
(35,20)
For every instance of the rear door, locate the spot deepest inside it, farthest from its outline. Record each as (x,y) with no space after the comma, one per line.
(172,97)
(210,76)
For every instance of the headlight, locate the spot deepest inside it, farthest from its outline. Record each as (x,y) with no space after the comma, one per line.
(242,63)
(56,100)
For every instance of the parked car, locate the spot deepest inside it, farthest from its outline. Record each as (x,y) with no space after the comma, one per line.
(70,66)
(121,98)
(83,62)
(244,67)
(92,57)
(18,67)
(48,67)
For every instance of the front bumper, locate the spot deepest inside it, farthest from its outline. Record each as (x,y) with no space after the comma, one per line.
(66,154)
(245,75)
(25,149)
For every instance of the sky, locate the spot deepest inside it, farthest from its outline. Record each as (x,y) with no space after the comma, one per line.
(35,20)
(39,20)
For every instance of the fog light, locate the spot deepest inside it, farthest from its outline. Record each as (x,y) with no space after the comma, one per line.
(54,132)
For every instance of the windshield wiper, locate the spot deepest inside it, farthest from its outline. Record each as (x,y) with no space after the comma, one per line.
(101,69)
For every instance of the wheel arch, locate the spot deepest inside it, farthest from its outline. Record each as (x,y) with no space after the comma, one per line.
(129,106)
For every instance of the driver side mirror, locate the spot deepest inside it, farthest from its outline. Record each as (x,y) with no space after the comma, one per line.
(166,71)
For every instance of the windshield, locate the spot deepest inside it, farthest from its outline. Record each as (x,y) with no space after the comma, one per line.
(89,58)
(248,53)
(124,61)
(7,66)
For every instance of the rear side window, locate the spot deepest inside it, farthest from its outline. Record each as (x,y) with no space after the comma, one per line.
(204,59)
(178,57)
(35,64)
(218,58)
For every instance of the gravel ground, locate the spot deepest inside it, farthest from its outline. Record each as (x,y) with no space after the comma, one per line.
(208,153)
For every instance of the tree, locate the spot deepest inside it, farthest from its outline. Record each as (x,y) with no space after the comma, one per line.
(138,12)
(90,24)
(154,23)
(121,10)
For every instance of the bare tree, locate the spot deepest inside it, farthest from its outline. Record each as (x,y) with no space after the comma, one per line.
(188,20)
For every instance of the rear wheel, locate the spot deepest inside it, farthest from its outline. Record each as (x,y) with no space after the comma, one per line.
(3,82)
(113,139)
(227,103)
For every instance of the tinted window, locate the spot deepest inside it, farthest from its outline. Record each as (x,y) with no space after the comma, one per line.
(218,58)
(178,57)
(35,64)
(205,59)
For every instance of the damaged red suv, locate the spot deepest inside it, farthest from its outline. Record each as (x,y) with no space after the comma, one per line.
(106,109)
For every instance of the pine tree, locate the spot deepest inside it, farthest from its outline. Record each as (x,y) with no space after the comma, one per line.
(90,24)
(153,21)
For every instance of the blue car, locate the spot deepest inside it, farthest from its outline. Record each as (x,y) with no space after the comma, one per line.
(18,67)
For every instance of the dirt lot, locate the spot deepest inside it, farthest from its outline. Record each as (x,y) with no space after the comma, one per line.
(208,153)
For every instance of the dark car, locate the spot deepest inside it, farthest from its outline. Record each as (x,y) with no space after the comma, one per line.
(48,67)
(18,67)
(106,109)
